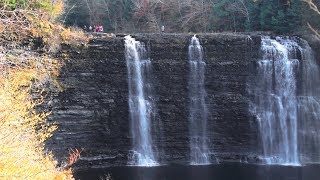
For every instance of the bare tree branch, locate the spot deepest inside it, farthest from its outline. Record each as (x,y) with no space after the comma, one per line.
(317,34)
(64,20)
(312,6)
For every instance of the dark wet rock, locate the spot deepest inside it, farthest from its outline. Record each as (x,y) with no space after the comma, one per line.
(92,111)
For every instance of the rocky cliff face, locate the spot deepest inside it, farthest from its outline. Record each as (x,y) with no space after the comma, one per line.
(92,111)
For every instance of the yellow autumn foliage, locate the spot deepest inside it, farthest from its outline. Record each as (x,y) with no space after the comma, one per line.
(23,130)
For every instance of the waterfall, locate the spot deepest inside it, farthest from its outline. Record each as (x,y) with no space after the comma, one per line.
(309,107)
(140,103)
(197,107)
(275,100)
(286,101)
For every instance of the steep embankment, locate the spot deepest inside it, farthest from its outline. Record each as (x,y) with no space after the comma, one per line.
(28,72)
(29,35)
(25,79)
(92,111)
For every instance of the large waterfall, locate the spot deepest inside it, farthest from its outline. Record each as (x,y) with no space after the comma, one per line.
(197,107)
(140,103)
(275,98)
(286,101)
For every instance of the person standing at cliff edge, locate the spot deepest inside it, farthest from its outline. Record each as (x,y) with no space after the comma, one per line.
(162,28)
(101,28)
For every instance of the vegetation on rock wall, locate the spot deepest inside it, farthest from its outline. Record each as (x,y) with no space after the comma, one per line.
(25,78)
(24,130)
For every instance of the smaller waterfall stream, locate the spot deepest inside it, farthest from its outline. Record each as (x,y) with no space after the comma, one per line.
(197,107)
(275,97)
(140,103)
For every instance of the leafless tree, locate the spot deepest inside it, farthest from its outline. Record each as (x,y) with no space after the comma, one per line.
(314,7)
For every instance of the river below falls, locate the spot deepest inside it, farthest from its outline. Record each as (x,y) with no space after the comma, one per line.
(228,171)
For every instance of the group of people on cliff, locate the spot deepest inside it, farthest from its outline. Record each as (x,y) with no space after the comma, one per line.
(98,28)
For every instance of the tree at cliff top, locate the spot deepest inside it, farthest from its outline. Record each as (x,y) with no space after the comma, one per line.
(313,18)
(281,16)
(114,15)
(22,20)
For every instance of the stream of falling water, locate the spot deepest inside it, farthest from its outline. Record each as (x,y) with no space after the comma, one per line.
(309,107)
(275,98)
(140,103)
(198,113)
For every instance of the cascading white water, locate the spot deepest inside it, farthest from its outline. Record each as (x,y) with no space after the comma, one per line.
(140,103)
(197,107)
(309,107)
(275,101)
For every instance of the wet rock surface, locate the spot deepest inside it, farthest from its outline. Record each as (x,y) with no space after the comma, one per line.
(92,110)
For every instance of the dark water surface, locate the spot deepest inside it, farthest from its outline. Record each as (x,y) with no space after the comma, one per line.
(232,171)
